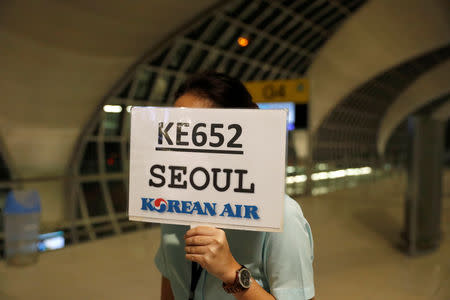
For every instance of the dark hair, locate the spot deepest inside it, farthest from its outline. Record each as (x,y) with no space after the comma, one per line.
(223,90)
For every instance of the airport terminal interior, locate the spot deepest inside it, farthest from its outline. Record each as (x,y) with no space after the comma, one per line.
(366,84)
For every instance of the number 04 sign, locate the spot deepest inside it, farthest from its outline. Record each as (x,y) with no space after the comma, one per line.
(219,167)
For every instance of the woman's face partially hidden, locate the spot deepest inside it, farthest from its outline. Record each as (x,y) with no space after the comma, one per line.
(192,101)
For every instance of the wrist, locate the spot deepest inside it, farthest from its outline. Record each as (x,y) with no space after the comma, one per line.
(230,275)
(242,281)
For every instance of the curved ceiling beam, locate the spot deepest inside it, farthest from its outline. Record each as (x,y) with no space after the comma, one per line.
(366,45)
(442,113)
(427,88)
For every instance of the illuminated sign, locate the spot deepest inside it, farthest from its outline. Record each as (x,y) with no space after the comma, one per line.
(292,90)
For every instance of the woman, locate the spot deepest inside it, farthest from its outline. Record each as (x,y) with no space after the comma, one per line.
(279,265)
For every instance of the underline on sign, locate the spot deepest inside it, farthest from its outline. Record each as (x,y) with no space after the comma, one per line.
(199,150)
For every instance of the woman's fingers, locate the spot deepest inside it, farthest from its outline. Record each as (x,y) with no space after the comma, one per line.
(198,240)
(198,258)
(201,230)
(209,247)
(196,249)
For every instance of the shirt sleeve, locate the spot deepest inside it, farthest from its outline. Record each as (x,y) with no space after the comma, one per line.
(160,258)
(289,255)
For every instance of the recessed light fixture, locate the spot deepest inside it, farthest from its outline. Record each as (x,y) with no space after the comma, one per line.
(242,41)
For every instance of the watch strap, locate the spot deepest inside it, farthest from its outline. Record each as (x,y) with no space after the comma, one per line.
(235,287)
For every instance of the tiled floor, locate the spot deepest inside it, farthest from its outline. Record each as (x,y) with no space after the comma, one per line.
(356,235)
(356,257)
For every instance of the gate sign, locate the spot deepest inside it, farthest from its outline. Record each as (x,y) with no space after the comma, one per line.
(218,167)
(286,90)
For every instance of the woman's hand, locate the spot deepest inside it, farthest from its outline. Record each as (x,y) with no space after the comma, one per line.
(208,246)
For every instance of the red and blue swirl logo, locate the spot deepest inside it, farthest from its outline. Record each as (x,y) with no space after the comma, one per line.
(160,205)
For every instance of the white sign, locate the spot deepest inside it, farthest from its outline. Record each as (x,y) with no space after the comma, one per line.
(218,167)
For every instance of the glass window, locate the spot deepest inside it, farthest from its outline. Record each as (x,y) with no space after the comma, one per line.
(195,33)
(4,171)
(3,193)
(258,47)
(235,8)
(94,199)
(219,28)
(96,128)
(144,80)
(265,75)
(316,44)
(288,2)
(287,35)
(212,61)
(118,196)
(303,6)
(175,86)
(254,13)
(354,5)
(271,51)
(89,164)
(281,56)
(158,60)
(301,35)
(2,247)
(103,229)
(179,56)
(113,159)
(244,68)
(253,73)
(276,76)
(161,88)
(269,19)
(127,226)
(82,233)
(289,60)
(221,67)
(295,68)
(78,214)
(333,21)
(112,122)
(196,61)
(281,25)
(229,64)
(304,66)
(128,150)
(324,17)
(309,40)
(315,10)
(230,37)
(125,91)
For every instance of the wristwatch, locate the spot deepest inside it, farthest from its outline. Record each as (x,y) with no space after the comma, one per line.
(241,283)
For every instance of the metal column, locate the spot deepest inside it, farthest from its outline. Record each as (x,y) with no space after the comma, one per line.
(424,191)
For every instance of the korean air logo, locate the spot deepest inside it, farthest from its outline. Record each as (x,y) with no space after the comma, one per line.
(228,210)
(160,205)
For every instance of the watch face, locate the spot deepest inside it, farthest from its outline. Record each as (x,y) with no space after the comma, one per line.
(244,278)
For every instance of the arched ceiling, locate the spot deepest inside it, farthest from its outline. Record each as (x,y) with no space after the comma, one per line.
(428,87)
(284,39)
(58,58)
(349,132)
(98,28)
(381,35)
(63,60)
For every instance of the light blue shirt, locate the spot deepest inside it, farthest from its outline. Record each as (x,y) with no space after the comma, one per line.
(281,262)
